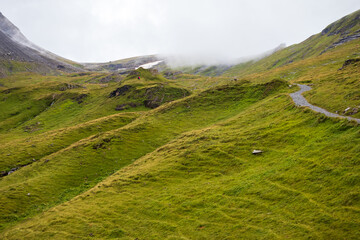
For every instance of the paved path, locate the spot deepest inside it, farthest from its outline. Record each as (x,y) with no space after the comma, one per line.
(301,101)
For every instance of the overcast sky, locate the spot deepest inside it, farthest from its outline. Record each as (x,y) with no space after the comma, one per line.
(104,30)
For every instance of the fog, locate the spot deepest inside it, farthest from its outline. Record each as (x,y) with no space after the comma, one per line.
(198,31)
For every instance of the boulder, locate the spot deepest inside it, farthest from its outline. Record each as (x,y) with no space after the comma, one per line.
(346,110)
(257,151)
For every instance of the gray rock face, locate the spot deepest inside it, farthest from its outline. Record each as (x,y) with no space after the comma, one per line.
(14,46)
(343,40)
(10,30)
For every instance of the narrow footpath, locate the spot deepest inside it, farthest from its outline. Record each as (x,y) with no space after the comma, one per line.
(301,101)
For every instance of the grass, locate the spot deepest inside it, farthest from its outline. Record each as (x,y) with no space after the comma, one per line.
(333,89)
(100,155)
(8,68)
(24,151)
(207,184)
(46,101)
(315,61)
(185,170)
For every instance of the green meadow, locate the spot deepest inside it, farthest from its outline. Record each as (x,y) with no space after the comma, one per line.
(98,155)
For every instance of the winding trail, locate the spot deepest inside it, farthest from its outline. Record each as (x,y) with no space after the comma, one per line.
(301,101)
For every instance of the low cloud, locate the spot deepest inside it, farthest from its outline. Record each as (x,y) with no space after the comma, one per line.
(199,31)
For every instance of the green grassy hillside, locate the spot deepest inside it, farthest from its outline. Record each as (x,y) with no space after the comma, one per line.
(10,67)
(105,156)
(73,169)
(334,77)
(38,103)
(206,184)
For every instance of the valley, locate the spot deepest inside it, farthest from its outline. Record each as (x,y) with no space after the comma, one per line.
(116,151)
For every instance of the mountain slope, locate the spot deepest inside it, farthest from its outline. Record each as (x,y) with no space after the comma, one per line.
(17,53)
(107,152)
(206,184)
(329,61)
(121,66)
(342,31)
(185,170)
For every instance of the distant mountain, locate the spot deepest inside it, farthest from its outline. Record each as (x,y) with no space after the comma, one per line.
(340,32)
(122,65)
(157,156)
(17,53)
(178,63)
(168,63)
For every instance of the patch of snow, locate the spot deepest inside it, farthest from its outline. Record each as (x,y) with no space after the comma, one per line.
(149,65)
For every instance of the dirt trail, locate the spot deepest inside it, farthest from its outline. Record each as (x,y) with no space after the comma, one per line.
(301,101)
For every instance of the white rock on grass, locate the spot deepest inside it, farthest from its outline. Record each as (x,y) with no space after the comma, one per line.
(256,151)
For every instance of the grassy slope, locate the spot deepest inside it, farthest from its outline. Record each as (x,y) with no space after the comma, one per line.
(10,67)
(308,62)
(24,151)
(66,173)
(204,70)
(190,170)
(206,184)
(37,118)
(37,102)
(333,89)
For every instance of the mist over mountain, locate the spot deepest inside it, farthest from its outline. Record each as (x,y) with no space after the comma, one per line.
(14,46)
(92,31)
(188,145)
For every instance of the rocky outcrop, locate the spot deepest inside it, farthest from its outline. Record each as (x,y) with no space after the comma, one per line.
(80,98)
(343,40)
(6,173)
(350,62)
(120,91)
